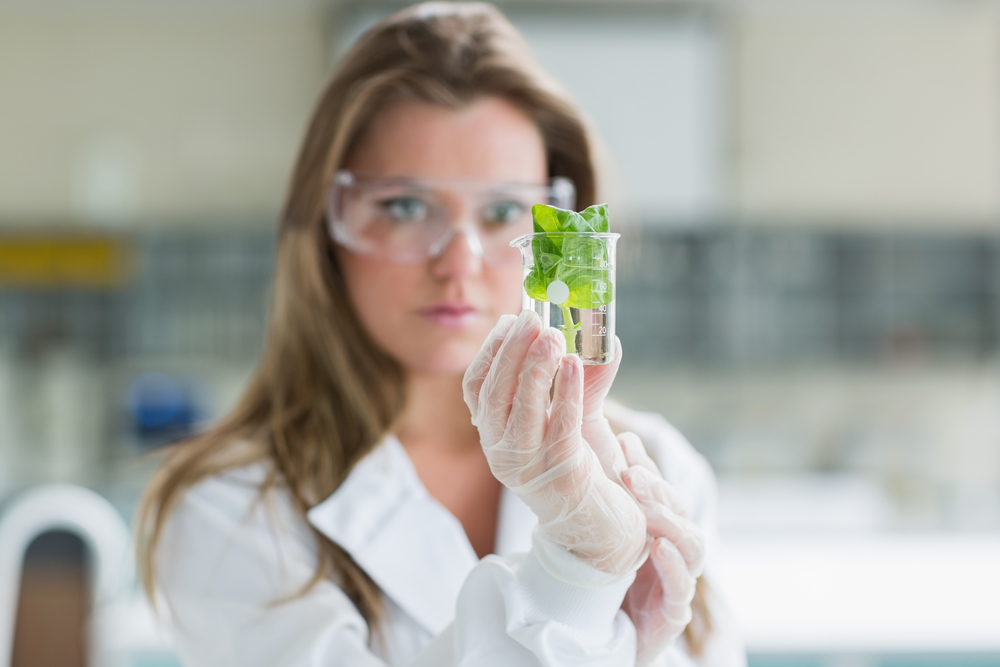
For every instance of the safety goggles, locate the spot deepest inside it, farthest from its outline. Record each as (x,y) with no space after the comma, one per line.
(413,220)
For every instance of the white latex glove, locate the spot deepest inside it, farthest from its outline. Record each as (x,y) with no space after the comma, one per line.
(597,380)
(537,450)
(659,600)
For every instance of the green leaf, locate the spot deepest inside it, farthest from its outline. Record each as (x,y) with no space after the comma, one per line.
(588,288)
(596,218)
(550,218)
(547,261)
(535,286)
(579,262)
(546,245)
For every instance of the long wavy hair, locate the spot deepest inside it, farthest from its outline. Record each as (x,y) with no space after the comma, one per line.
(324,394)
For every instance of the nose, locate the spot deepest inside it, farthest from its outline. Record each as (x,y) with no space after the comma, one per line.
(460,254)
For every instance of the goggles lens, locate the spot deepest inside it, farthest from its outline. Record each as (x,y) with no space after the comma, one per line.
(412,220)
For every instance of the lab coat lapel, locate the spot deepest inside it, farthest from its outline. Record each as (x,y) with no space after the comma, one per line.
(408,543)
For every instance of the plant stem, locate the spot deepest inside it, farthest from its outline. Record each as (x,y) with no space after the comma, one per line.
(568,331)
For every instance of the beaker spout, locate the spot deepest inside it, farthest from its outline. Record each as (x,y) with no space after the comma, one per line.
(522,241)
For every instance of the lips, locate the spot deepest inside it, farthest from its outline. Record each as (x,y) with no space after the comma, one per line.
(451,315)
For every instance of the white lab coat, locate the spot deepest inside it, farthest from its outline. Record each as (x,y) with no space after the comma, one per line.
(231,563)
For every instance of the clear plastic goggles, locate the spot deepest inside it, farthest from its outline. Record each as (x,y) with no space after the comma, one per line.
(412,220)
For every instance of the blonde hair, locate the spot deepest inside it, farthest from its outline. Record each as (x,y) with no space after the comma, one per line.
(324,394)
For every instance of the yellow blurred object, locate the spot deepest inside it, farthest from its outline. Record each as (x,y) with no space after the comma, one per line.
(60,261)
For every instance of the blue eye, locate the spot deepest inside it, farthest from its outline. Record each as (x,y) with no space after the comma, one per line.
(405,209)
(504,212)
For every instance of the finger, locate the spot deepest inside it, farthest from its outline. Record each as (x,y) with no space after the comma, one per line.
(475,375)
(597,381)
(649,487)
(561,464)
(635,452)
(567,402)
(496,394)
(602,439)
(528,415)
(678,583)
(681,532)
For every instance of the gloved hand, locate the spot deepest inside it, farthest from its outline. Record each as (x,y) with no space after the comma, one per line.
(537,451)
(596,430)
(659,600)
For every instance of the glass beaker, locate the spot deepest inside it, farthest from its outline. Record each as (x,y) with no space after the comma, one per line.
(569,280)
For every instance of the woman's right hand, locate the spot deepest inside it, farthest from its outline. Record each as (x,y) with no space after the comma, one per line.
(539,452)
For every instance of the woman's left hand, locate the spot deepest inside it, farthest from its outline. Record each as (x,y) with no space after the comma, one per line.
(659,601)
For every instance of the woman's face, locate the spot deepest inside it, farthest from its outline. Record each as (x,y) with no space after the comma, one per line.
(433,316)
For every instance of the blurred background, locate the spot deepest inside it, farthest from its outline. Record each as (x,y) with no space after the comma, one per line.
(810,196)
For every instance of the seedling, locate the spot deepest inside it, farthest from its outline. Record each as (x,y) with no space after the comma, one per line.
(571,268)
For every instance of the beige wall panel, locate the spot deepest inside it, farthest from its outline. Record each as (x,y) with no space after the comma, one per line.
(152,118)
(875,115)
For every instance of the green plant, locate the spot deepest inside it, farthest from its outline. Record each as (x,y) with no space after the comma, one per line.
(570,264)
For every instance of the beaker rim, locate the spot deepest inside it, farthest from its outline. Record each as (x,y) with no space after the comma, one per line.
(526,238)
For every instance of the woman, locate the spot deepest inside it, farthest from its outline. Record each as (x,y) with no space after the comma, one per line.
(348,511)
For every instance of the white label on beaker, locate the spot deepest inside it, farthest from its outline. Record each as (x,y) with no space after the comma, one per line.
(557,292)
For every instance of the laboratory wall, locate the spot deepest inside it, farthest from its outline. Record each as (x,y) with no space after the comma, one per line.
(137,117)
(809,197)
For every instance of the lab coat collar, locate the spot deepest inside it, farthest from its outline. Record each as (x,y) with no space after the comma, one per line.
(405,540)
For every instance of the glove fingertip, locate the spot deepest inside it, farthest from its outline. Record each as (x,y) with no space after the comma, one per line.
(661,547)
(632,447)
(503,325)
(667,551)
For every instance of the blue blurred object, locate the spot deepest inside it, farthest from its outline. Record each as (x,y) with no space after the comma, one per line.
(162,407)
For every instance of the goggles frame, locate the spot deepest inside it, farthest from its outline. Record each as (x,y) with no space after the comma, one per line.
(559,191)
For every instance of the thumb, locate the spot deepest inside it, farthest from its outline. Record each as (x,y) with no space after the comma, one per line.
(597,381)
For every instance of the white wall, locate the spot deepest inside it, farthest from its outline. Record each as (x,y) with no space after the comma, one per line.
(862,114)
(869,114)
(151,117)
(653,86)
